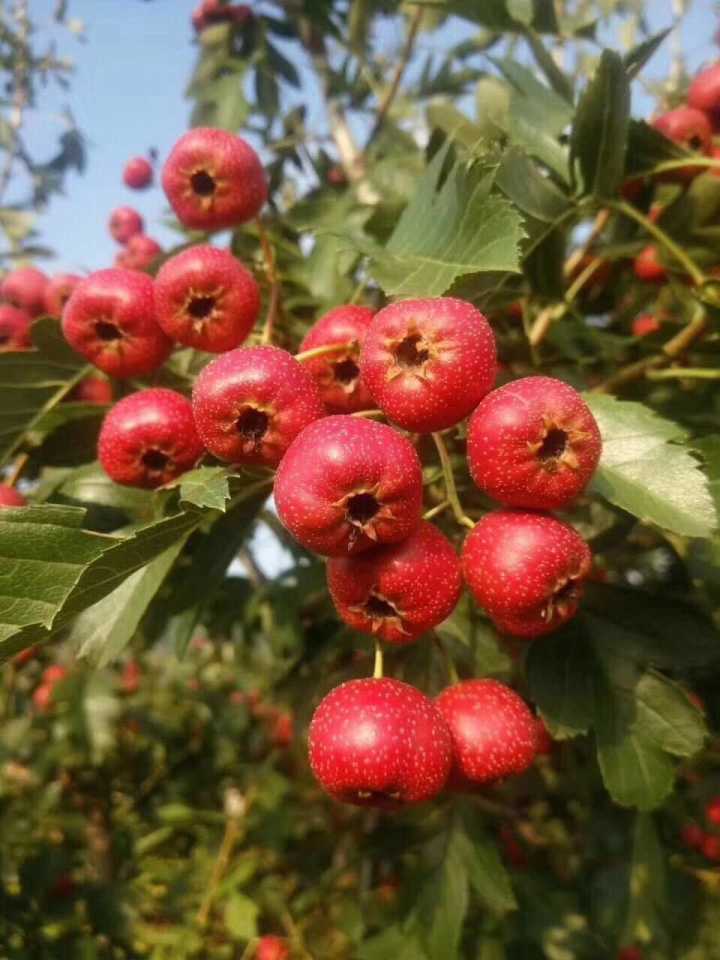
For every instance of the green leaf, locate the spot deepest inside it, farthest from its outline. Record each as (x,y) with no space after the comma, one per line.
(241,916)
(102,631)
(34,381)
(647,148)
(646,470)
(393,942)
(560,677)
(600,132)
(521,181)
(449,230)
(647,893)
(206,487)
(487,875)
(443,900)
(636,58)
(667,717)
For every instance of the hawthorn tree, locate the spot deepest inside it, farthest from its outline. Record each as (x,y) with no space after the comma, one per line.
(155,792)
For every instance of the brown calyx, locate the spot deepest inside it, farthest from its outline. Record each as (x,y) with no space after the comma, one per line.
(155,461)
(363,510)
(107,331)
(252,424)
(564,598)
(555,448)
(412,354)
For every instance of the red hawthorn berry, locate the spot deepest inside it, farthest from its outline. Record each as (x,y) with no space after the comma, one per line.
(397,592)
(10,497)
(692,836)
(110,319)
(428,363)
(138,173)
(645,324)
(206,299)
(214,180)
(251,403)
(704,94)
(282,729)
(512,851)
(688,128)
(58,291)
(379,743)
(533,443)
(213,10)
(14,329)
(526,570)
(54,674)
(347,484)
(493,732)
(715,155)
(240,14)
(633,189)
(25,656)
(336,176)
(544,743)
(712,811)
(63,887)
(148,438)
(198,21)
(94,390)
(515,310)
(597,283)
(125,222)
(140,252)
(630,953)
(25,288)
(131,677)
(42,697)
(648,267)
(272,948)
(338,374)
(710,847)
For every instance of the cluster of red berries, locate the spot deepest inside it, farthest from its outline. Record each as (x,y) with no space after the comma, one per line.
(43,694)
(706,842)
(215,11)
(27,293)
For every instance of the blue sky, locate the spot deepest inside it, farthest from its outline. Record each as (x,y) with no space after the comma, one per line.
(127,95)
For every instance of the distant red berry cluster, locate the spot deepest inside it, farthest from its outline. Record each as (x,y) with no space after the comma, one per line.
(215,11)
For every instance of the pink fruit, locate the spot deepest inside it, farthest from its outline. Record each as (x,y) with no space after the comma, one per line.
(380,743)
(645,325)
(688,128)
(110,320)
(214,180)
(397,592)
(704,94)
(338,374)
(712,811)
(148,438)
(347,484)
(206,299)
(125,222)
(10,497)
(533,443)
(25,288)
(140,252)
(58,291)
(95,390)
(493,732)
(648,267)
(138,173)
(692,836)
(526,570)
(272,948)
(251,403)
(428,363)
(14,329)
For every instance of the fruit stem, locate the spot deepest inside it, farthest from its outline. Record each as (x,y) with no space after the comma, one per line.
(628,210)
(709,162)
(450,488)
(546,317)
(434,511)
(378,668)
(271,272)
(236,807)
(691,373)
(368,414)
(17,469)
(322,351)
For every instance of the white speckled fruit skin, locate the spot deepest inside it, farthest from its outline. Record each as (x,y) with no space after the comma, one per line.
(493,732)
(382,737)
(341,455)
(420,577)
(456,380)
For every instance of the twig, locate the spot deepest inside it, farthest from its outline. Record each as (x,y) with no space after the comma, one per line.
(576,256)
(17,469)
(255,575)
(236,807)
(450,488)
(691,268)
(684,373)
(392,90)
(434,511)
(271,272)
(329,348)
(547,317)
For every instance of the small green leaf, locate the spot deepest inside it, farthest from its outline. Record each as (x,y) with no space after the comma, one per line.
(487,875)
(600,132)
(520,180)
(560,676)
(206,487)
(647,894)
(647,470)
(647,148)
(636,58)
(443,900)
(241,916)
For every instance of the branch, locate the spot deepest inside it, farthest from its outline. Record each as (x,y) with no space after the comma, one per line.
(450,488)
(691,268)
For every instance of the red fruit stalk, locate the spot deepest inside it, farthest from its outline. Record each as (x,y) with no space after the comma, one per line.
(379,743)
(533,443)
(214,180)
(526,570)
(206,299)
(347,484)
(428,363)
(14,329)
(493,732)
(251,403)
(149,438)
(110,320)
(398,592)
(338,374)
